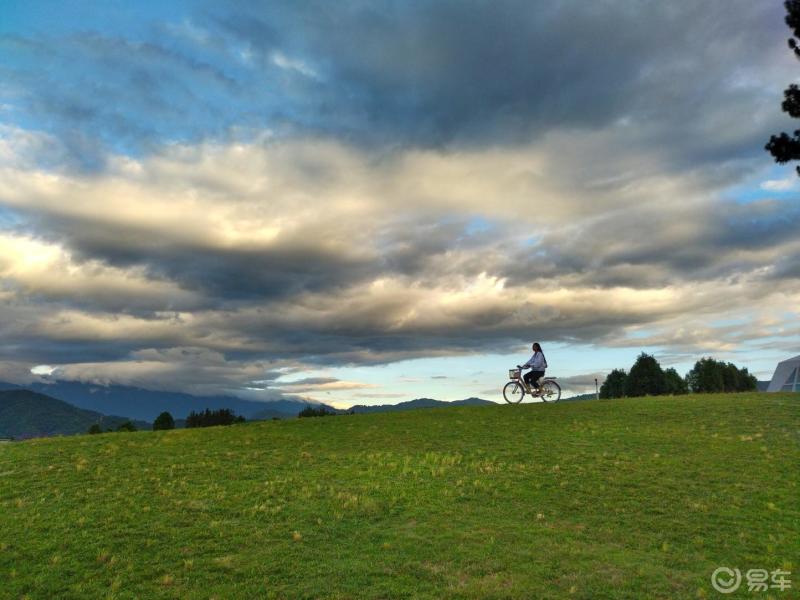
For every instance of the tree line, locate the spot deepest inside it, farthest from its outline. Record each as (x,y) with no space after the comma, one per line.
(126,426)
(647,378)
(210,418)
(165,421)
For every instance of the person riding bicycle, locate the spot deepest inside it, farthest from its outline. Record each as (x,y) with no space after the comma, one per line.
(537,363)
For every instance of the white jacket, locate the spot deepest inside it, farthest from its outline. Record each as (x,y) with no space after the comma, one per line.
(536,362)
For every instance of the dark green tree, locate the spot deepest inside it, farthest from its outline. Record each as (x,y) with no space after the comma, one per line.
(706,376)
(730,377)
(209,418)
(614,385)
(95,428)
(127,426)
(310,411)
(163,421)
(646,378)
(738,380)
(783,147)
(674,384)
(709,375)
(747,381)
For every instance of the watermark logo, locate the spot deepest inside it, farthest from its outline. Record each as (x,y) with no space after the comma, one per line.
(726,580)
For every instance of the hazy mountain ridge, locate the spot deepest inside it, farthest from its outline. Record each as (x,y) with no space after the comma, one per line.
(590,396)
(139,403)
(26,414)
(418,403)
(146,405)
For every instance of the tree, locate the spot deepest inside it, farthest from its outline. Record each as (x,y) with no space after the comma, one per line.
(646,378)
(614,385)
(310,411)
(209,418)
(95,428)
(785,148)
(163,421)
(706,376)
(127,426)
(709,375)
(730,377)
(674,384)
(747,382)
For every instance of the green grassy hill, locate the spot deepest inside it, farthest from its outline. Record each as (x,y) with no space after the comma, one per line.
(25,414)
(635,498)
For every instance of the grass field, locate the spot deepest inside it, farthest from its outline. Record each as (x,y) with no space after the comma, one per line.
(635,498)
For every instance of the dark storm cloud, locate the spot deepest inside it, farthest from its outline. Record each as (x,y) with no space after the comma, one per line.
(659,246)
(415,247)
(419,73)
(434,72)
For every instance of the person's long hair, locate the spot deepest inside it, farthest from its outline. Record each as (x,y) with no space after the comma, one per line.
(538,348)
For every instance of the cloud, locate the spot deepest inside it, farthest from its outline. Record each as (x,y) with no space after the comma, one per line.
(779,185)
(313,250)
(320,384)
(291,64)
(586,380)
(187,369)
(34,268)
(462,178)
(427,74)
(379,395)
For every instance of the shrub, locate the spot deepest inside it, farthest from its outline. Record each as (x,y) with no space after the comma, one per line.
(95,428)
(127,426)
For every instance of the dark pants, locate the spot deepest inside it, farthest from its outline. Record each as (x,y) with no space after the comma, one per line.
(532,376)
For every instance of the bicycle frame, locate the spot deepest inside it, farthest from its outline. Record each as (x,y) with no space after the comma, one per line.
(521,381)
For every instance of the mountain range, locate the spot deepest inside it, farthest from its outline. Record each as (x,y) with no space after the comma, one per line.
(66,407)
(418,403)
(139,403)
(26,414)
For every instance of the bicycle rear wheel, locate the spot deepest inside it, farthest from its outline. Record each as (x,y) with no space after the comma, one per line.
(513,392)
(551,391)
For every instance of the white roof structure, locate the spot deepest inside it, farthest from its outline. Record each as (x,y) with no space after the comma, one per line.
(786,377)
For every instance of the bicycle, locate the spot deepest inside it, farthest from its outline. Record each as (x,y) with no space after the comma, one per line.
(514,391)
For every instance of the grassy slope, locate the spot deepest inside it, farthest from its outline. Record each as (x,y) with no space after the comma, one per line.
(613,499)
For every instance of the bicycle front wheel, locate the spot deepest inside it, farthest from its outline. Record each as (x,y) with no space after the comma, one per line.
(551,391)
(513,392)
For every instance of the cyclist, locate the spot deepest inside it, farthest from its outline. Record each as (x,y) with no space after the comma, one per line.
(537,363)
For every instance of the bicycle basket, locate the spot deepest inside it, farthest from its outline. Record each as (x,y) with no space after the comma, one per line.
(514,373)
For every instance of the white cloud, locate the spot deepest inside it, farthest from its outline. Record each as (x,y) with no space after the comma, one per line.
(780,185)
(311,250)
(38,268)
(293,64)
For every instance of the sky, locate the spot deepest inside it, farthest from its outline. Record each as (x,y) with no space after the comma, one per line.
(368,202)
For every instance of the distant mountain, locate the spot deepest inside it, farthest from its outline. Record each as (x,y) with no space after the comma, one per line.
(418,403)
(26,414)
(138,403)
(267,414)
(591,396)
